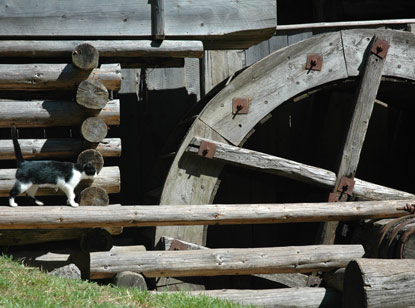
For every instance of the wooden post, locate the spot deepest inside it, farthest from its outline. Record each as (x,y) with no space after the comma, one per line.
(365,99)
(157,19)
(379,283)
(85,57)
(232,261)
(92,94)
(94,129)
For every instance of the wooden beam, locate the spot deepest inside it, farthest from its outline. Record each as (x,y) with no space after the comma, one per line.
(293,170)
(379,283)
(50,113)
(157,19)
(285,297)
(46,77)
(184,215)
(58,148)
(108,179)
(108,49)
(229,261)
(219,24)
(367,89)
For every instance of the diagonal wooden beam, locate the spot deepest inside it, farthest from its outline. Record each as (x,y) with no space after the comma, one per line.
(294,170)
(365,99)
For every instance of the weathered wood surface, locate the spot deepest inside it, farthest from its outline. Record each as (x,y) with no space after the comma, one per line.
(212,262)
(94,196)
(335,279)
(25,237)
(370,77)
(220,24)
(94,129)
(379,283)
(157,19)
(85,57)
(45,77)
(92,94)
(107,48)
(289,297)
(49,113)
(91,156)
(291,280)
(294,170)
(58,148)
(108,179)
(123,216)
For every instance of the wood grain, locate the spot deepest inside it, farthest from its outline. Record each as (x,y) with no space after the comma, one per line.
(231,261)
(35,217)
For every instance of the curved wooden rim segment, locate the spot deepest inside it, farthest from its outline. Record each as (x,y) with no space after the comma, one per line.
(269,83)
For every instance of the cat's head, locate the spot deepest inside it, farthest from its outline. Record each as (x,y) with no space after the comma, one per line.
(89,171)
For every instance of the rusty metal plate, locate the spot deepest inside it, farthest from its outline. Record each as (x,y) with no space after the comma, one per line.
(240,105)
(207,149)
(380,48)
(314,62)
(177,245)
(346,185)
(337,197)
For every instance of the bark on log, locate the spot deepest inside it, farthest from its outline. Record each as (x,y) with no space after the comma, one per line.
(290,297)
(25,237)
(94,196)
(92,94)
(58,148)
(294,170)
(121,49)
(47,77)
(94,129)
(108,179)
(91,156)
(212,262)
(85,57)
(34,217)
(53,113)
(379,283)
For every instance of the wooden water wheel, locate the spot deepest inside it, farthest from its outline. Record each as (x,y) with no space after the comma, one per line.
(360,59)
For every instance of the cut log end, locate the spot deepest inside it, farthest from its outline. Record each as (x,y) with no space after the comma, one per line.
(94,129)
(353,291)
(94,196)
(92,156)
(85,57)
(92,94)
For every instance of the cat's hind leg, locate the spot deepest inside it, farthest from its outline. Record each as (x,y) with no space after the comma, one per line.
(17,189)
(31,192)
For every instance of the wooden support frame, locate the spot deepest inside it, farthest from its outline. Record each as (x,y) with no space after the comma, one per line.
(35,217)
(365,99)
(294,170)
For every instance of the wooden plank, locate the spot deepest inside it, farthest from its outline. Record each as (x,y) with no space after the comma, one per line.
(257,52)
(36,77)
(371,74)
(286,297)
(379,283)
(230,261)
(220,24)
(58,148)
(106,48)
(294,170)
(108,179)
(273,81)
(50,113)
(35,217)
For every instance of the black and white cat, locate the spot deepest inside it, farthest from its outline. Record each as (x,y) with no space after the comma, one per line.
(31,174)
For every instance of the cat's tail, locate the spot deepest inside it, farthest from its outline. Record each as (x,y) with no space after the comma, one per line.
(17,150)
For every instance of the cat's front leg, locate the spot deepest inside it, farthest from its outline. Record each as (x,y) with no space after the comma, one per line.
(68,190)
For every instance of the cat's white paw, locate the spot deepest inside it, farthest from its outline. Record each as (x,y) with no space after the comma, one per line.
(74,204)
(40,203)
(12,203)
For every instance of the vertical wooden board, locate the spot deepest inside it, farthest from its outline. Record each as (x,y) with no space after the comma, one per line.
(257,52)
(220,64)
(191,180)
(278,41)
(399,62)
(192,76)
(165,78)
(272,81)
(297,36)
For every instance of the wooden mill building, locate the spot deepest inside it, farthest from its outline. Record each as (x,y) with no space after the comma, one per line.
(260,151)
